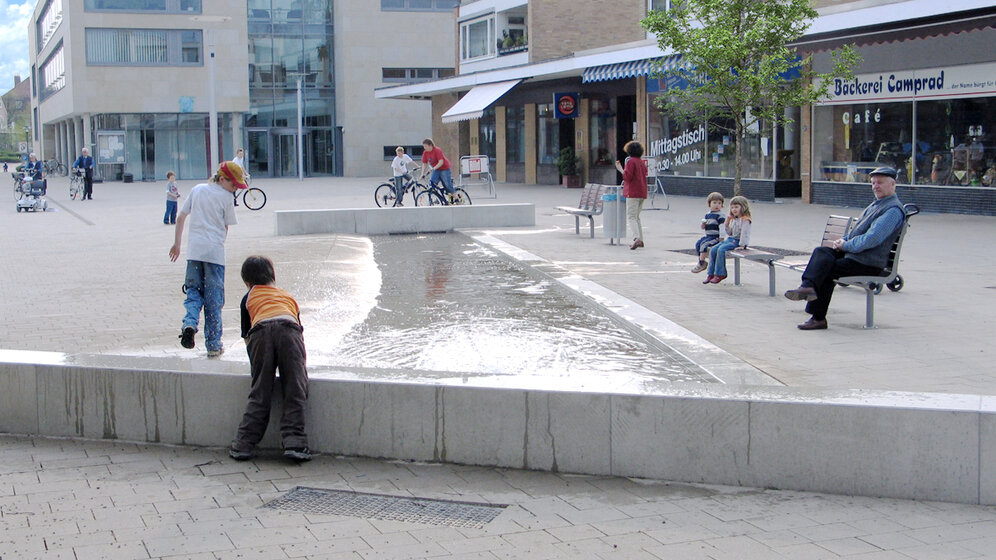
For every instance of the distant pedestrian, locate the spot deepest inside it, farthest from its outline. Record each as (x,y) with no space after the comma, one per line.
(5,167)
(172,196)
(634,173)
(85,162)
(209,207)
(271,327)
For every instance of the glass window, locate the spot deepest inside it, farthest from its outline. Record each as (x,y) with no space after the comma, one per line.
(53,72)
(851,140)
(547,134)
(143,47)
(515,134)
(48,22)
(419,5)
(486,133)
(477,38)
(165,6)
(603,131)
(955,142)
(679,147)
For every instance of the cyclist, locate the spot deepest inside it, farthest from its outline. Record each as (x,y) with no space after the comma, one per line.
(400,168)
(434,159)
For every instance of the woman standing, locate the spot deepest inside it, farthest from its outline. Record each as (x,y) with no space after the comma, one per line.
(634,174)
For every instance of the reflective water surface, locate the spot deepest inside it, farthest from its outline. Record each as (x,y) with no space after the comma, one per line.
(451,310)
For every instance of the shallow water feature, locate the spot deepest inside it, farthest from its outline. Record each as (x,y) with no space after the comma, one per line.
(449,305)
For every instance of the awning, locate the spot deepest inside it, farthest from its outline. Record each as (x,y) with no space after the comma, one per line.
(479,98)
(895,32)
(631,69)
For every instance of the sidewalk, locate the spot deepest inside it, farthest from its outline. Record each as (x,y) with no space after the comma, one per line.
(94,277)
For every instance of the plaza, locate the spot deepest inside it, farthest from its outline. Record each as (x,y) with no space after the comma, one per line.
(93,279)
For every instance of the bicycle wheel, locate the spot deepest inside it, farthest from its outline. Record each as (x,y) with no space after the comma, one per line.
(62,169)
(254,198)
(384,195)
(459,198)
(18,192)
(73,189)
(428,198)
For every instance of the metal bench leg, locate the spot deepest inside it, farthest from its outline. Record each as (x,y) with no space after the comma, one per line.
(771,278)
(869,307)
(577,225)
(591,225)
(736,271)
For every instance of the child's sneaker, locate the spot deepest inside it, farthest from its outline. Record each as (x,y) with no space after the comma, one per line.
(239,455)
(216,352)
(298,454)
(700,267)
(187,337)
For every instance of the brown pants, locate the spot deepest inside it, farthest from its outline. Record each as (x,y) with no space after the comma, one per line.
(273,345)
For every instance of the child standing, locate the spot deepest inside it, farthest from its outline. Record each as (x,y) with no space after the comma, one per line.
(209,207)
(738,225)
(271,327)
(713,219)
(400,168)
(172,195)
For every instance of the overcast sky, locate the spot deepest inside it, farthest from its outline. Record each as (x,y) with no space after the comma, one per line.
(14,16)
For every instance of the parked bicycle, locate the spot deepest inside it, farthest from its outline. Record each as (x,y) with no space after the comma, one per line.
(76,184)
(436,195)
(53,166)
(19,185)
(253,198)
(385,195)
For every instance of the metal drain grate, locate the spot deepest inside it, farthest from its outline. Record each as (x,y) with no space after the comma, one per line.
(380,506)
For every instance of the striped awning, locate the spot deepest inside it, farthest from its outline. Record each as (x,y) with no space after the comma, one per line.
(630,69)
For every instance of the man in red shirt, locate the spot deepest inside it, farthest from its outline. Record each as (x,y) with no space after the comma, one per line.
(434,158)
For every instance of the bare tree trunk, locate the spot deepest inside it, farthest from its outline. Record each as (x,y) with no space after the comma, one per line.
(738,161)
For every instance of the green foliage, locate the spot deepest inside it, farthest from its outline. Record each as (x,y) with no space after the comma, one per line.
(568,163)
(733,55)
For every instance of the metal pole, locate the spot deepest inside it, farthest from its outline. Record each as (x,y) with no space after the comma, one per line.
(212,104)
(300,134)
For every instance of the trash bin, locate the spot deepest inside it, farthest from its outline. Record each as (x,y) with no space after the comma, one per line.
(613,214)
(127,177)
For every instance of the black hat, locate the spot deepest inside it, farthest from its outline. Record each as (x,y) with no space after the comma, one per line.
(887,171)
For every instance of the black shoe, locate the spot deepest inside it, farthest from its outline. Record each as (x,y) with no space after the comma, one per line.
(239,455)
(187,337)
(299,454)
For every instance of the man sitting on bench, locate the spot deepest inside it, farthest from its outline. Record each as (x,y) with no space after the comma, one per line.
(864,251)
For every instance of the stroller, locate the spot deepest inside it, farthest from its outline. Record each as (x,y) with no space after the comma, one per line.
(33,196)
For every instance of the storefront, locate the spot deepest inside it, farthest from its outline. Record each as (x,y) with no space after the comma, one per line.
(934,125)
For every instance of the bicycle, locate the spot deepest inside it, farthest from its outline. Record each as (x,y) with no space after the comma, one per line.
(19,189)
(77,184)
(253,198)
(53,166)
(385,195)
(436,195)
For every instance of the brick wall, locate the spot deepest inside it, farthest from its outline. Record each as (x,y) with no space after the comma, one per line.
(560,27)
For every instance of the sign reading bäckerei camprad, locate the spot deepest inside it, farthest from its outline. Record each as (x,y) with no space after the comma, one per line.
(972,80)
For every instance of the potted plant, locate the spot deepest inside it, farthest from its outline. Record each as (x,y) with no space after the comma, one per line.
(569,164)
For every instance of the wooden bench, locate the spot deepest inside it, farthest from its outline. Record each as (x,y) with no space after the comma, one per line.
(589,206)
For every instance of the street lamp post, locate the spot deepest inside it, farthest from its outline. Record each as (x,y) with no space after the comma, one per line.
(209,41)
(300,127)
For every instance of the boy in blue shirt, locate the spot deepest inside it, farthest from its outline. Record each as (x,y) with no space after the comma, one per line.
(710,223)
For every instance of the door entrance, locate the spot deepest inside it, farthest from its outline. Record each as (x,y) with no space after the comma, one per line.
(272,152)
(285,155)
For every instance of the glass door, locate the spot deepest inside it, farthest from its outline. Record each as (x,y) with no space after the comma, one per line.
(285,155)
(258,153)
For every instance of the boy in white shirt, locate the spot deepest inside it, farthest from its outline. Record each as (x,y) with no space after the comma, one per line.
(400,168)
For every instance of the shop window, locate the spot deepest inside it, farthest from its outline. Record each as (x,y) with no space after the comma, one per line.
(603,131)
(851,140)
(486,133)
(547,134)
(955,142)
(515,134)
(143,47)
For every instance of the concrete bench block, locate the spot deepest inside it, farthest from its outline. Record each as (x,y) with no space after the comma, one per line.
(408,219)
(18,398)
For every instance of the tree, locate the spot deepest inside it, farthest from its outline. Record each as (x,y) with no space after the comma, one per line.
(737,64)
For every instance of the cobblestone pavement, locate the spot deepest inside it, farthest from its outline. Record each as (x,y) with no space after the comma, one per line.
(94,277)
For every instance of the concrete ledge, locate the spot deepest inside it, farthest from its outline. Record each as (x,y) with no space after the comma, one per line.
(901,445)
(378,221)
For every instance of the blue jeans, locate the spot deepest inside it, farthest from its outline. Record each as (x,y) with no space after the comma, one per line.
(445,176)
(205,284)
(717,256)
(170,216)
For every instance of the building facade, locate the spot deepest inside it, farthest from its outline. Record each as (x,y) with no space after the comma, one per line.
(135,81)
(516,58)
